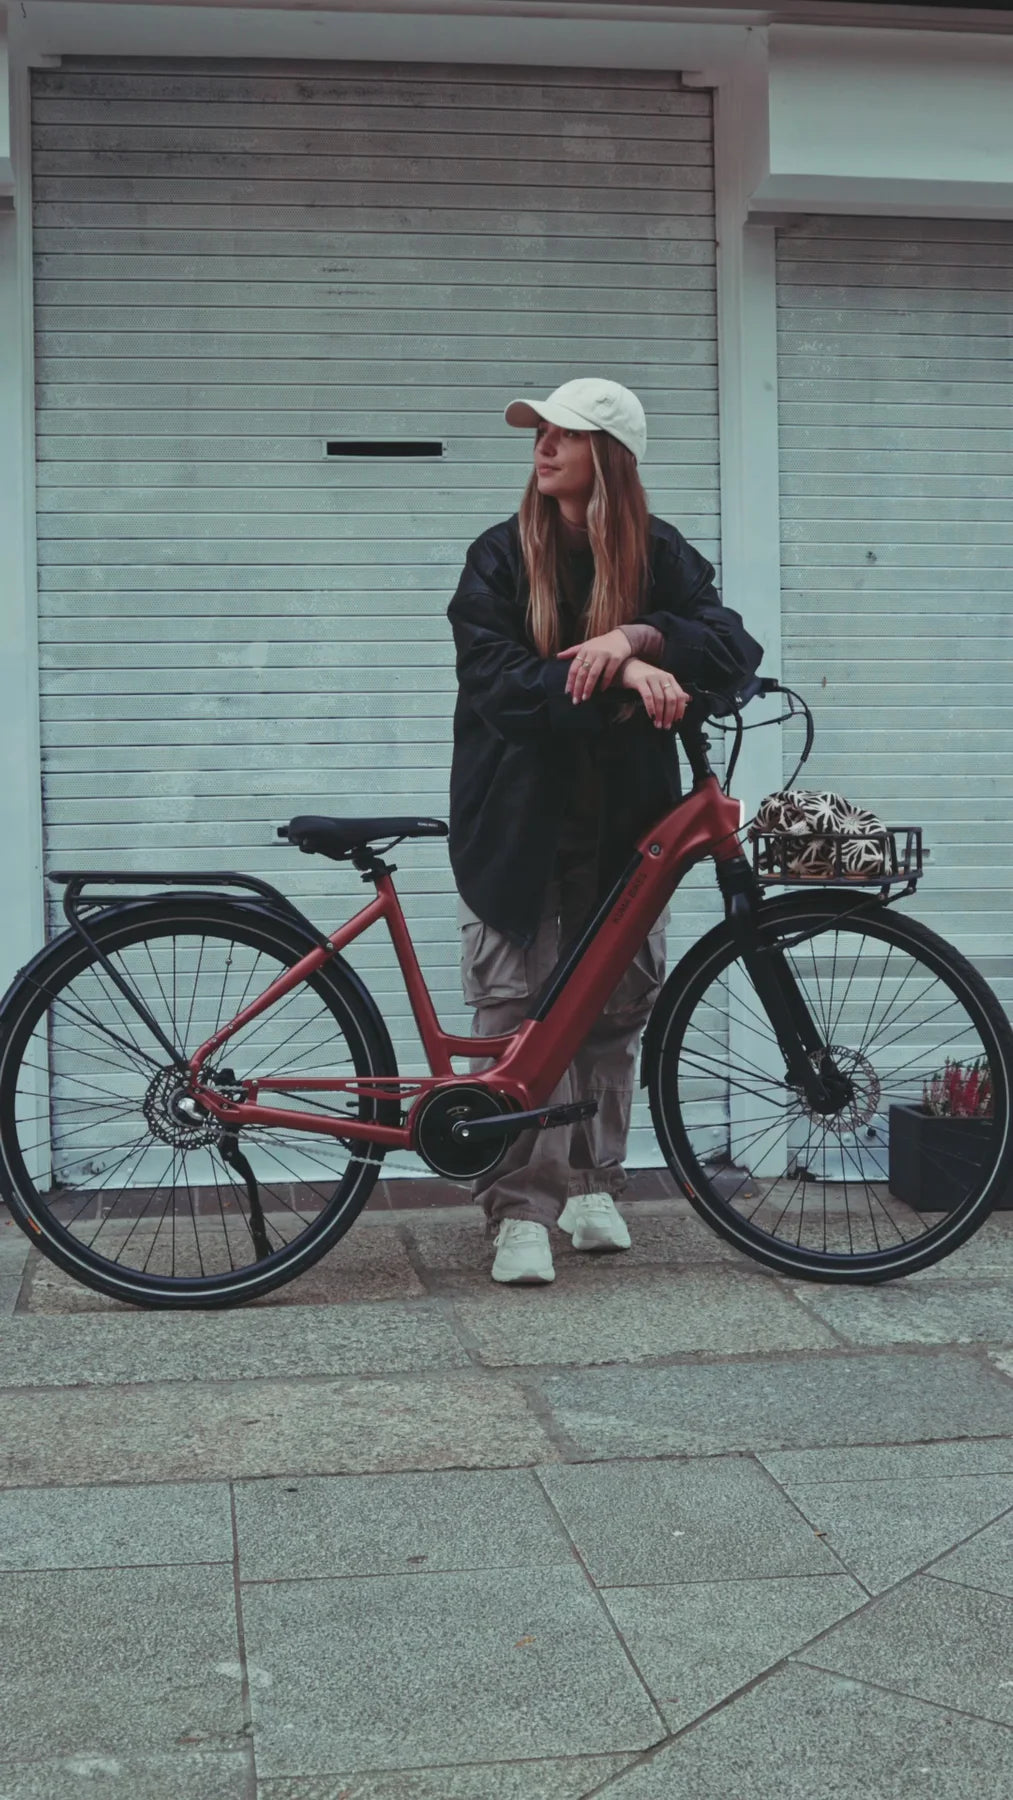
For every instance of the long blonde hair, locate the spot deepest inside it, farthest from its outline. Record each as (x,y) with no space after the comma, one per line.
(617,524)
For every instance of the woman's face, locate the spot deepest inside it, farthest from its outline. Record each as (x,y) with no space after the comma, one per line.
(564,466)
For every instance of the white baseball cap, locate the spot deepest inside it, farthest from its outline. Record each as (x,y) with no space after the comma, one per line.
(588,404)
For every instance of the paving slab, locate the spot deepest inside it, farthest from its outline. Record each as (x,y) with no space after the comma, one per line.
(396,1524)
(670,1232)
(944,1312)
(985,1561)
(934,1640)
(806,1735)
(665,1233)
(369,1263)
(454,1239)
(566,1778)
(697,1643)
(638,1314)
(101,1527)
(589,1277)
(189,1432)
(682,1521)
(988,1254)
(885,1530)
(407,1671)
(14,1253)
(774,1404)
(98,1661)
(176,1776)
(891,1462)
(439,1588)
(248,1343)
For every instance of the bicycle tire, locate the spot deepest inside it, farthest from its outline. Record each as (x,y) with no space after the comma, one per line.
(715,1189)
(45,1001)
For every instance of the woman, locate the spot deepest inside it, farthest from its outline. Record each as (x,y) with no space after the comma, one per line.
(579,625)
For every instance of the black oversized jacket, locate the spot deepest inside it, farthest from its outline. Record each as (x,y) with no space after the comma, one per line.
(507,789)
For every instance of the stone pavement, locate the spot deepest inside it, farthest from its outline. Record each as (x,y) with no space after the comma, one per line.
(673,1527)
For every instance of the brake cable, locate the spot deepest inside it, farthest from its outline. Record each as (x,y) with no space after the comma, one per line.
(797,707)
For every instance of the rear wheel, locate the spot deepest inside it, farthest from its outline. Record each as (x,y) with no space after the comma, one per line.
(112,1171)
(824,1196)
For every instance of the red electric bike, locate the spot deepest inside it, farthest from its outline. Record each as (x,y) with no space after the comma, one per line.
(197,1091)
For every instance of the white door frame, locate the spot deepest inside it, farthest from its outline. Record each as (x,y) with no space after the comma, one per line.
(21,889)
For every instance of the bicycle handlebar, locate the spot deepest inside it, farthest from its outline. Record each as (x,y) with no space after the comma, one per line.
(706,706)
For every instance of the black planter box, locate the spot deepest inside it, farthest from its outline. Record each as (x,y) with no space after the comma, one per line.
(923,1148)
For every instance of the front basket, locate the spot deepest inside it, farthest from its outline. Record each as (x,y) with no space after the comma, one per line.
(876,859)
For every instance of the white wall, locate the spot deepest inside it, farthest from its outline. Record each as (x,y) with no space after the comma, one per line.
(477,31)
(923,106)
(889,121)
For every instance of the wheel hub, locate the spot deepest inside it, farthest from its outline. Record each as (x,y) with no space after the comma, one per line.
(174,1116)
(861,1086)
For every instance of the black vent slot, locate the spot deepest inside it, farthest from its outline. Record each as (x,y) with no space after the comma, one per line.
(384,447)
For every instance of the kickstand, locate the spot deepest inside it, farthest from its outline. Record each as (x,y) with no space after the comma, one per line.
(228,1145)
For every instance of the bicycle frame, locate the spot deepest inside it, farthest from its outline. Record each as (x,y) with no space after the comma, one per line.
(530,1061)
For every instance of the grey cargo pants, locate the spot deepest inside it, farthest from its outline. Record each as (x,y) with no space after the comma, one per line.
(542,1168)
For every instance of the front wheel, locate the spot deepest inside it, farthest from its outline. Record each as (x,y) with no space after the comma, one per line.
(829,1196)
(107,1167)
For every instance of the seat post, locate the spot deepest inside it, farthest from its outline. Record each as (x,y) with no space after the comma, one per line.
(371,867)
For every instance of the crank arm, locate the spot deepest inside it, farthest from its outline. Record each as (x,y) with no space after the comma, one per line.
(512,1124)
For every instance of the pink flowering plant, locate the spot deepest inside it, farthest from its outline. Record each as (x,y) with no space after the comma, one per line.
(959,1093)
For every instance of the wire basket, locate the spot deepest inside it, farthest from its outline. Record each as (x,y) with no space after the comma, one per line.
(873,859)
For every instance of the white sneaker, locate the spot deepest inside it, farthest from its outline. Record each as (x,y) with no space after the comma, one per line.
(594,1223)
(522,1252)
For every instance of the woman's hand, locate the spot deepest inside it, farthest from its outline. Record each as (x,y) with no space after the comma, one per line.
(664,700)
(599,660)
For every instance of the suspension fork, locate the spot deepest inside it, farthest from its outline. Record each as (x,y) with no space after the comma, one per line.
(809,1063)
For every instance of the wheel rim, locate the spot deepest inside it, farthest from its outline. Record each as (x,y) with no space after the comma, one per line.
(812,1192)
(120,1181)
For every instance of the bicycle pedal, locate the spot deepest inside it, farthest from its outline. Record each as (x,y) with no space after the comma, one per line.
(512,1124)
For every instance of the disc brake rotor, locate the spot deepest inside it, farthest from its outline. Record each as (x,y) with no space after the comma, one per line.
(174,1116)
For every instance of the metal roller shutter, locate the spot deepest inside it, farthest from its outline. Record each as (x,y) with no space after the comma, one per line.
(896,406)
(237,262)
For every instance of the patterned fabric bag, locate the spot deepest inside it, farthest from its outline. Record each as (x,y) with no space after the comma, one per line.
(799,813)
